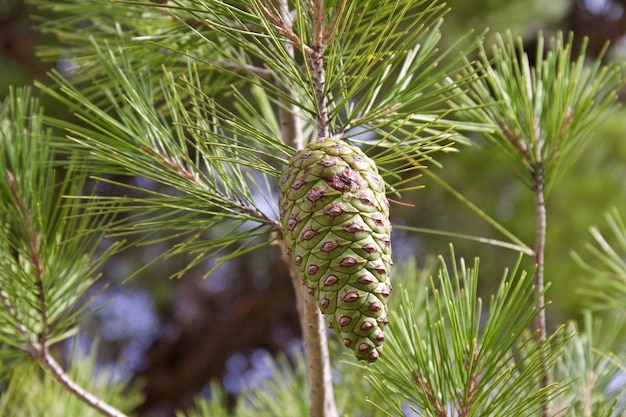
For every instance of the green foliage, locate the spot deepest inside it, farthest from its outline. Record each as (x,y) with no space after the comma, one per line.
(215,406)
(446,353)
(436,322)
(193,97)
(371,74)
(203,151)
(207,133)
(607,287)
(285,393)
(48,250)
(33,393)
(546,111)
(594,363)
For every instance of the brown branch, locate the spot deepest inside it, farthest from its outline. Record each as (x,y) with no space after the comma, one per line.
(536,162)
(316,61)
(283,27)
(319,82)
(281,19)
(465,405)
(516,141)
(540,241)
(318,24)
(45,358)
(34,255)
(333,23)
(194,178)
(540,206)
(438,407)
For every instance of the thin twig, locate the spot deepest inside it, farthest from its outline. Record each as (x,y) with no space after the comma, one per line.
(535,160)
(318,23)
(288,111)
(34,255)
(283,25)
(319,80)
(540,206)
(194,178)
(333,23)
(64,379)
(540,321)
(316,61)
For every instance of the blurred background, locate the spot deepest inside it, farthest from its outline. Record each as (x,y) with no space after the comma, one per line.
(178,335)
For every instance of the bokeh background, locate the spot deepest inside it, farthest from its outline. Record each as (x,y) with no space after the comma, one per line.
(178,335)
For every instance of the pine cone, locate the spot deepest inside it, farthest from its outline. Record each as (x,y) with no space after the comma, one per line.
(335,221)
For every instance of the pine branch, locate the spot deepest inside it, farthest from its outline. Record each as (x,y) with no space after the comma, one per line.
(316,61)
(29,234)
(42,354)
(545,114)
(237,203)
(191,144)
(540,243)
(446,350)
(607,288)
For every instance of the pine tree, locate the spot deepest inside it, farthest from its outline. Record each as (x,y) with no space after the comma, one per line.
(327,112)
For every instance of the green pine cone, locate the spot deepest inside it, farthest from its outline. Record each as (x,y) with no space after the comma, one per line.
(335,221)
